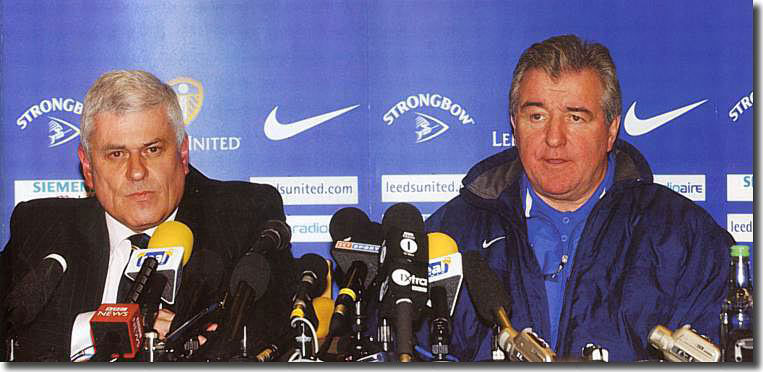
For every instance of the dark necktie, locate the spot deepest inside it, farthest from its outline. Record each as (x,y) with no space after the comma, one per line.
(138,241)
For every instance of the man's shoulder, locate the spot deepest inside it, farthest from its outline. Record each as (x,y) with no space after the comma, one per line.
(52,207)
(197,183)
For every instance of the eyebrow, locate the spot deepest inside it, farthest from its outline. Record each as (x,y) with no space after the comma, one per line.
(580,109)
(532,104)
(110,147)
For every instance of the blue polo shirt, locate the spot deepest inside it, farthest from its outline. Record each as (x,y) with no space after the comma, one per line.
(554,237)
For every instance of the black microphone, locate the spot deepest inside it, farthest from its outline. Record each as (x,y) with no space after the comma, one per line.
(440,325)
(248,283)
(27,298)
(313,272)
(491,301)
(357,242)
(201,279)
(404,260)
(275,236)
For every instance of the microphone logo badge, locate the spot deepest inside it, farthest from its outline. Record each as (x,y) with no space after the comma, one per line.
(408,244)
(403,278)
(439,267)
(161,256)
(190,97)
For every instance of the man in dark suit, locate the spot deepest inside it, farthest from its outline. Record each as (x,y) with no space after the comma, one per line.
(134,155)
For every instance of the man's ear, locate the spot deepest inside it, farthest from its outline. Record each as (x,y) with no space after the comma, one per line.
(87,170)
(184,154)
(614,127)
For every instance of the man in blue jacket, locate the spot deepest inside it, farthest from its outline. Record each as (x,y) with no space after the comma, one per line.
(589,249)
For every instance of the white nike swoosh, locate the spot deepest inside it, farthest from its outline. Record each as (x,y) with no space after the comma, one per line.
(636,127)
(277,131)
(486,243)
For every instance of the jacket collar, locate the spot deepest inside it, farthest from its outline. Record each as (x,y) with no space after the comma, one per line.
(489,179)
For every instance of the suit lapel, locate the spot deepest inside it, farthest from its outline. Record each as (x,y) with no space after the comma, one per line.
(91,226)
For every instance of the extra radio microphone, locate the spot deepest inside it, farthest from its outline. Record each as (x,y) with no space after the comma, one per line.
(313,271)
(683,345)
(491,300)
(403,259)
(27,298)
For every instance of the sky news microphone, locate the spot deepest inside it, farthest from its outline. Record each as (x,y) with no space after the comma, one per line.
(27,298)
(491,301)
(403,259)
(355,238)
(248,283)
(313,271)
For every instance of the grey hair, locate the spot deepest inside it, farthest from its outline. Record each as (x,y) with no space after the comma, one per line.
(123,91)
(568,53)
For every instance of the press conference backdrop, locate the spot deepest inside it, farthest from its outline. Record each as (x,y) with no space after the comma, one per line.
(391,101)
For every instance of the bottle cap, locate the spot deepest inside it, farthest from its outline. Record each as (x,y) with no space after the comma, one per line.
(740,251)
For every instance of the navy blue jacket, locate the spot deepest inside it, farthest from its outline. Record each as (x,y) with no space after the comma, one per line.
(647,256)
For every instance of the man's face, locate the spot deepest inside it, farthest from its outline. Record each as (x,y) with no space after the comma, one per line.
(562,135)
(137,170)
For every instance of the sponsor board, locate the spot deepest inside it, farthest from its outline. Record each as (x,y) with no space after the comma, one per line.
(314,190)
(740,226)
(691,186)
(24,190)
(57,112)
(741,106)
(429,124)
(309,229)
(398,188)
(739,187)
(502,139)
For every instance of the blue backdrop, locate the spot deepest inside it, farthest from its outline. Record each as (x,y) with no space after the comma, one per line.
(416,92)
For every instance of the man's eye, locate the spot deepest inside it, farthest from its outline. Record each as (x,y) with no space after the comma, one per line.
(576,118)
(153,149)
(536,116)
(116,154)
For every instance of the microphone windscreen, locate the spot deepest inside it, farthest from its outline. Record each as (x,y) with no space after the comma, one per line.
(348,221)
(485,288)
(441,244)
(403,216)
(254,270)
(439,297)
(316,264)
(173,234)
(279,231)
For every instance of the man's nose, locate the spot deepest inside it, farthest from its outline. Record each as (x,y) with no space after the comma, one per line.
(556,133)
(136,167)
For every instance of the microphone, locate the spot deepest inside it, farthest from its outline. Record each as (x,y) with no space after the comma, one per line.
(116,330)
(311,284)
(445,277)
(27,298)
(683,345)
(274,237)
(403,260)
(202,277)
(248,283)
(171,245)
(491,300)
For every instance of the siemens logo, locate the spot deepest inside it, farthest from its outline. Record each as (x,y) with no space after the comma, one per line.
(691,186)
(36,189)
(740,226)
(739,187)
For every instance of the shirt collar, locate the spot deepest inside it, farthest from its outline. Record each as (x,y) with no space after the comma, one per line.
(601,190)
(119,232)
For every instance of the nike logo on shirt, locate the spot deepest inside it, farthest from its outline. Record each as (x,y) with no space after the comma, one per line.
(486,244)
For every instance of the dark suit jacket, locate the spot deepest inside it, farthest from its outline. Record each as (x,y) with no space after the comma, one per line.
(223,216)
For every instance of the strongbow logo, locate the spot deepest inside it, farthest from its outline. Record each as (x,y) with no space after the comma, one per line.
(427,127)
(636,127)
(277,131)
(60,130)
(190,96)
(744,104)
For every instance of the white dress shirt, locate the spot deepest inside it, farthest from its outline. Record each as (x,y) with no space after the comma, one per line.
(120,250)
